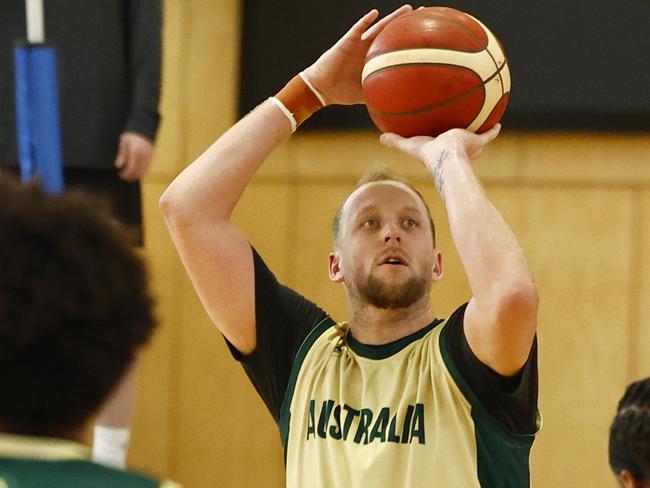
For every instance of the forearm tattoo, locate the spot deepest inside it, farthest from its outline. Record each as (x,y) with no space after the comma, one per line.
(437,174)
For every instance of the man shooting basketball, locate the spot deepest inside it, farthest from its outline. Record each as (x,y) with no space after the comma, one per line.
(398,397)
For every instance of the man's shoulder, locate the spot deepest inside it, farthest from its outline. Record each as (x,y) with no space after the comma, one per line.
(28,473)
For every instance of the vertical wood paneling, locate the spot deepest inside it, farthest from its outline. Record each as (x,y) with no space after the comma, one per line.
(618,158)
(170,139)
(643,342)
(316,206)
(209,82)
(152,433)
(150,449)
(579,247)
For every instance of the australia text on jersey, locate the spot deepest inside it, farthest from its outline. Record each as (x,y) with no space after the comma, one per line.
(336,422)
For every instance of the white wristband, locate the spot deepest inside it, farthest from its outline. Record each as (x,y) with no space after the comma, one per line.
(312,88)
(110,446)
(285,111)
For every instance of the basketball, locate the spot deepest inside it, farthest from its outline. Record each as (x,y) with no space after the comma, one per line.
(435,69)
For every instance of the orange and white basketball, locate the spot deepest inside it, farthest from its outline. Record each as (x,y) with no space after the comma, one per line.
(434,69)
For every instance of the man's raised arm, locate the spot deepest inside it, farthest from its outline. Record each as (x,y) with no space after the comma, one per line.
(198,204)
(501,317)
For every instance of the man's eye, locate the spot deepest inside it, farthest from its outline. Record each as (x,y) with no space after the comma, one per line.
(370,223)
(410,223)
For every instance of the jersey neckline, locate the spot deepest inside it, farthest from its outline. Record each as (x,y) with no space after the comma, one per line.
(383,351)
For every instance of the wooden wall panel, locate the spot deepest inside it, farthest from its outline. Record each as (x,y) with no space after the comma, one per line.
(150,448)
(338,156)
(578,243)
(587,158)
(210,72)
(345,156)
(643,339)
(315,206)
(169,143)
(501,160)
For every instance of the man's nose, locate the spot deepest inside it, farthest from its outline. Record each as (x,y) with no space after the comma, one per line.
(392,232)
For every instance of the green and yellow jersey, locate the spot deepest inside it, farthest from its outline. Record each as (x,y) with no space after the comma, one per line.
(420,411)
(36,462)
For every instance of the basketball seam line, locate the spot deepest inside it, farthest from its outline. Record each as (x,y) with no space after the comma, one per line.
(488,34)
(423,63)
(489,53)
(499,68)
(446,102)
(388,51)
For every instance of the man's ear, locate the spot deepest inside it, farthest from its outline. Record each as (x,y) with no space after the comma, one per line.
(627,480)
(437,272)
(335,267)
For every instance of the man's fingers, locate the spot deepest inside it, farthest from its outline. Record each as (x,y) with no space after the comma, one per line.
(390,139)
(493,132)
(131,172)
(126,171)
(130,161)
(135,156)
(361,25)
(371,33)
(485,139)
(490,135)
(409,145)
(122,156)
(138,165)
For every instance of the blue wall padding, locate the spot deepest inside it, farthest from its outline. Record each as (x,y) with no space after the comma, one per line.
(37,116)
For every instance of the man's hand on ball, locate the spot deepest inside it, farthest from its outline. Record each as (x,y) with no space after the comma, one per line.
(337,73)
(427,148)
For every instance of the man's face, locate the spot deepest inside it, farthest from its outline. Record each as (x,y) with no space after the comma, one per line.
(385,253)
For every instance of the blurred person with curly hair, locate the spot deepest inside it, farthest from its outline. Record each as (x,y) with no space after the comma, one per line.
(629,439)
(75,309)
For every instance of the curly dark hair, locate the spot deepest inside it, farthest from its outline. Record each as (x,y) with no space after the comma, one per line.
(74,308)
(629,438)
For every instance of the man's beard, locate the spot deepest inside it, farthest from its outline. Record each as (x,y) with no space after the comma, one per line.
(387,295)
